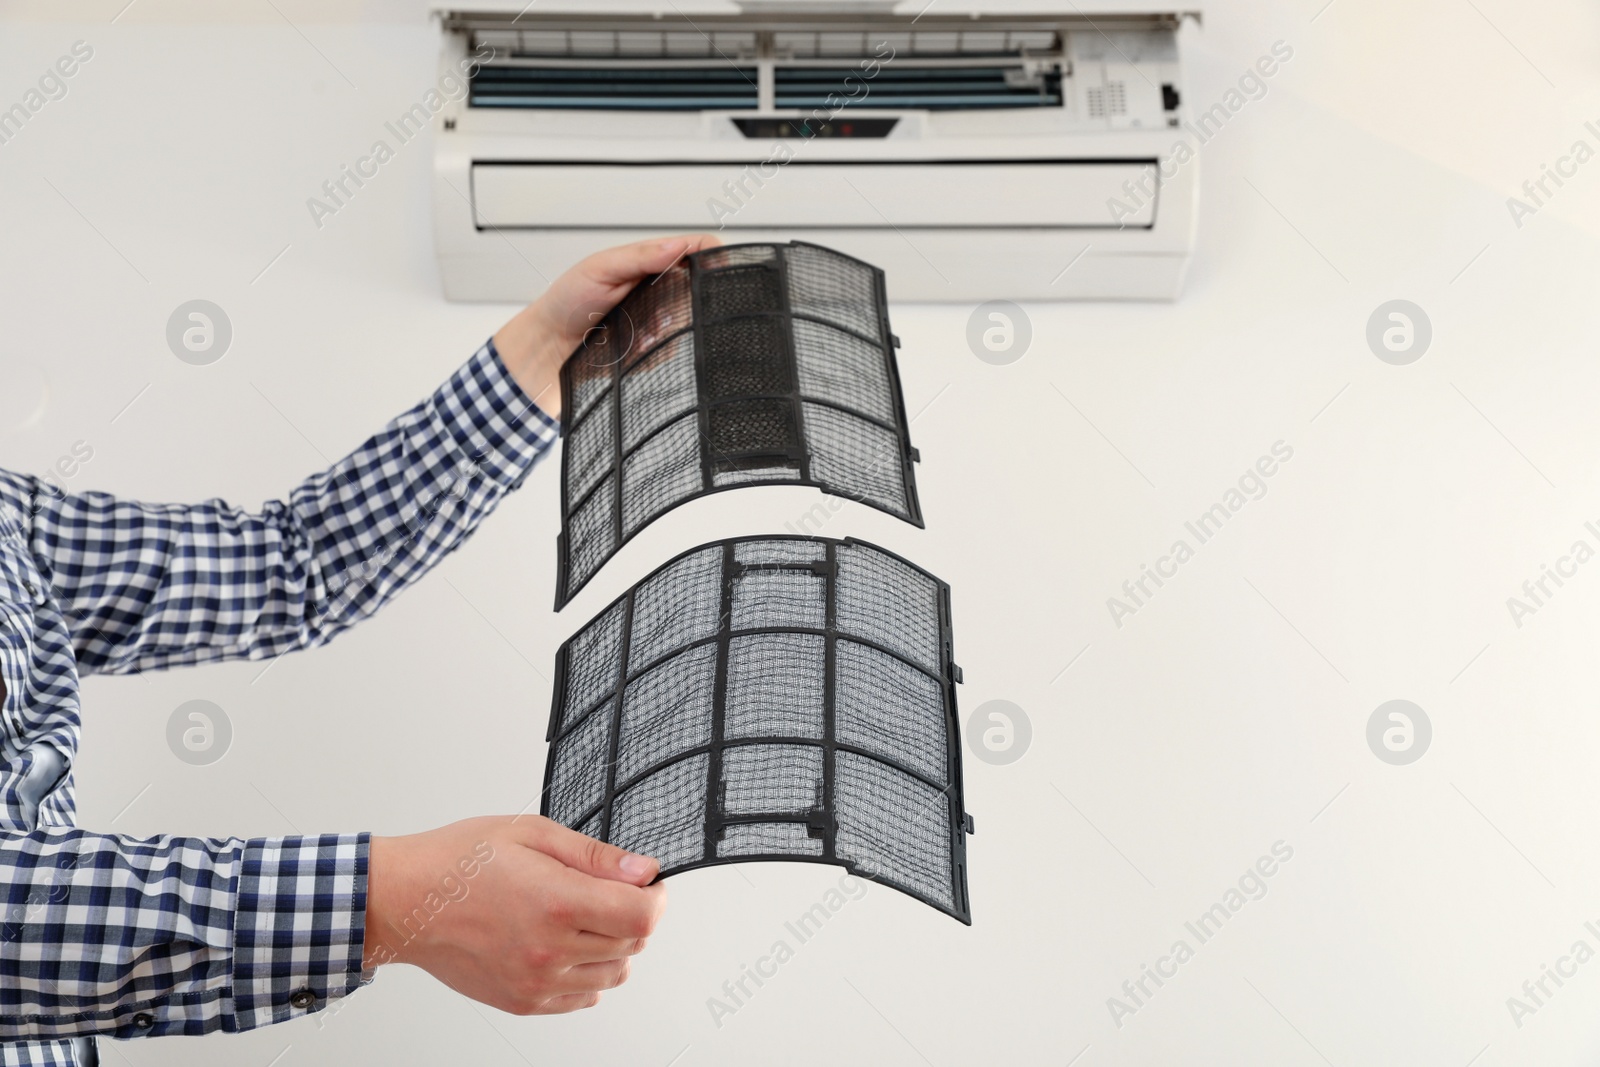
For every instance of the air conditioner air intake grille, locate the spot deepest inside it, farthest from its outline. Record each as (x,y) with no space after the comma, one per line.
(663,88)
(886,41)
(880,41)
(769,698)
(619,43)
(744,365)
(932,88)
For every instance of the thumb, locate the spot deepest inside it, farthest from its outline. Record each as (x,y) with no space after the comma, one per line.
(594,858)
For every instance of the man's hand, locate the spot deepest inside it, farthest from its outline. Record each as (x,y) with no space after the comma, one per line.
(538,341)
(521,914)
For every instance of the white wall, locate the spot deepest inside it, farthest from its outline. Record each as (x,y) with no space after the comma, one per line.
(1223,717)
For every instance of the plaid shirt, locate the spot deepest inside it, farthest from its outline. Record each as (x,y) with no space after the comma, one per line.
(104,934)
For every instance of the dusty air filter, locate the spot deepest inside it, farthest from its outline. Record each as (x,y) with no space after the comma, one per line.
(742,365)
(770,699)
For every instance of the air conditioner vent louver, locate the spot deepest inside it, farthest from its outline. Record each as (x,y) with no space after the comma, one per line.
(617,88)
(922,87)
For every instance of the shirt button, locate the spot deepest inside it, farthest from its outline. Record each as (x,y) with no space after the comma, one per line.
(144,1021)
(29,586)
(303,999)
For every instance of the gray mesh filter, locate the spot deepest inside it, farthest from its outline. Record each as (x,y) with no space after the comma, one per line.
(770,698)
(741,365)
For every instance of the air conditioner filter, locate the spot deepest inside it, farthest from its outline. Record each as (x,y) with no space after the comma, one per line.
(742,365)
(770,699)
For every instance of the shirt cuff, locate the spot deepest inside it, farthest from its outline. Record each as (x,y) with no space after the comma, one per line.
(492,420)
(299,926)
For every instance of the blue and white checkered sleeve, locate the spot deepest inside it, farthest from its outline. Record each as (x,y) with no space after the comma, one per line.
(137,938)
(153,586)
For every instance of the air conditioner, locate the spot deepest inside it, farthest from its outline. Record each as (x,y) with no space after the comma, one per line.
(1030,152)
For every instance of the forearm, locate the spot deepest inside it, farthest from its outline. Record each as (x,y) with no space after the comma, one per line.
(135,938)
(153,586)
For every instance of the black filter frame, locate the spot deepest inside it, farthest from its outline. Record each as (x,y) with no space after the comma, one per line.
(612,754)
(794,381)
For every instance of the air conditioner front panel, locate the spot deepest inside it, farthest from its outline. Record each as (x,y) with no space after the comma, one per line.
(968,266)
(913,194)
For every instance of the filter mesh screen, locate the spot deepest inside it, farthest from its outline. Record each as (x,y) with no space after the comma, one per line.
(740,365)
(770,698)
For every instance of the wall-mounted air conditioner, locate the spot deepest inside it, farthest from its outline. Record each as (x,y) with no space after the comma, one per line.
(1029,152)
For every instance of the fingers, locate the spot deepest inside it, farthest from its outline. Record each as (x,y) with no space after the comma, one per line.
(626,264)
(577,988)
(571,1002)
(594,858)
(608,908)
(596,977)
(588,947)
(538,933)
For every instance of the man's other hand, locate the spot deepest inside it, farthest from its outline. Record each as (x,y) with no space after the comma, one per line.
(520,913)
